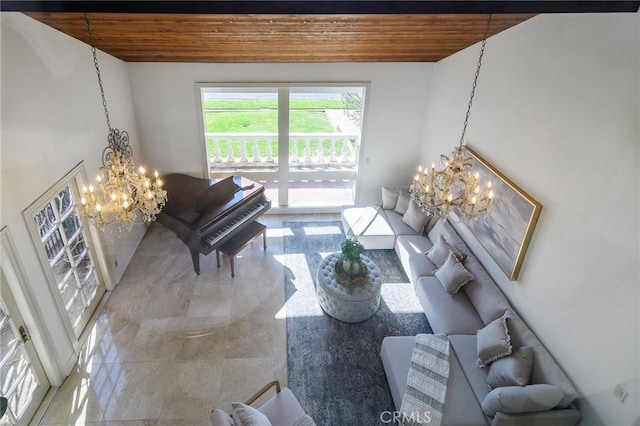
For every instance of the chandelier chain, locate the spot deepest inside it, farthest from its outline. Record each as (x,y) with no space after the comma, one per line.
(95,63)
(475,81)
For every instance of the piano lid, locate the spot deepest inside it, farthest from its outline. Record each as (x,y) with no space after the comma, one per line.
(188,197)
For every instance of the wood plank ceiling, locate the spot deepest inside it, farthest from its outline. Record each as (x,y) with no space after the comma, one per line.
(280,38)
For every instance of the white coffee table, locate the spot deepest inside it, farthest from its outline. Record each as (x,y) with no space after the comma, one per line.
(335,299)
(369,225)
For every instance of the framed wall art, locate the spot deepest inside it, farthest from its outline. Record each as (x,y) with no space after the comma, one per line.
(505,232)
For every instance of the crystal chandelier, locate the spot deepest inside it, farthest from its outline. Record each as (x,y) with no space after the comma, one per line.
(121,191)
(455,188)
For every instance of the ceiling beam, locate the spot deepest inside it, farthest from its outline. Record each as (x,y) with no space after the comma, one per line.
(322,6)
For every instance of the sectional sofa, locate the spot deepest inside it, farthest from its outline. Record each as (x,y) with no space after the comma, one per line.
(541,393)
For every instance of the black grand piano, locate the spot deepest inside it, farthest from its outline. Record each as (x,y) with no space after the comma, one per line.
(204,213)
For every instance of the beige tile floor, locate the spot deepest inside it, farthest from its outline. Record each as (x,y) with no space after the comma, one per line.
(169,346)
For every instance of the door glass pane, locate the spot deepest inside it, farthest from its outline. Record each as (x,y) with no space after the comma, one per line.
(84,267)
(70,226)
(54,245)
(61,269)
(12,369)
(45,220)
(23,394)
(64,201)
(8,340)
(241,133)
(324,139)
(90,286)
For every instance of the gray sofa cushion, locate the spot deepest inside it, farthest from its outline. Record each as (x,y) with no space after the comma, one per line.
(410,249)
(518,399)
(448,314)
(397,225)
(443,228)
(483,292)
(464,346)
(512,370)
(461,407)
(545,369)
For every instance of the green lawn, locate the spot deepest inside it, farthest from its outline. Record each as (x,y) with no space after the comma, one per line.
(266,121)
(261,116)
(273,104)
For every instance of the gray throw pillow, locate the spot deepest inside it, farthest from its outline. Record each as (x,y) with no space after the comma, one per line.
(389,197)
(415,218)
(516,399)
(493,341)
(245,415)
(452,274)
(403,202)
(439,252)
(512,370)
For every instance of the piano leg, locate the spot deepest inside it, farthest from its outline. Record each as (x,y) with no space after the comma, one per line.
(195,258)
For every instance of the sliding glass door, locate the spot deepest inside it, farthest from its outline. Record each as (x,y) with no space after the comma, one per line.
(301,142)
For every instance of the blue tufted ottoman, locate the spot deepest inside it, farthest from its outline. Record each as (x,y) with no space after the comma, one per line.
(336,301)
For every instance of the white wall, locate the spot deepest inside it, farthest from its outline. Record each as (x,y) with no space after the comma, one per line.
(556,110)
(52,119)
(167,108)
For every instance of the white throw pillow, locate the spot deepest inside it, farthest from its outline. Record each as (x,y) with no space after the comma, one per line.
(403,202)
(452,274)
(245,415)
(415,218)
(389,197)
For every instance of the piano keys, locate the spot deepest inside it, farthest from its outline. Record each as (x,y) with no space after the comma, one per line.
(204,213)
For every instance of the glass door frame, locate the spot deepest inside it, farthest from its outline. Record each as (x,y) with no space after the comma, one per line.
(283,134)
(74,179)
(40,347)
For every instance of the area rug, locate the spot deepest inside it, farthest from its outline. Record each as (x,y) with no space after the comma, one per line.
(334,368)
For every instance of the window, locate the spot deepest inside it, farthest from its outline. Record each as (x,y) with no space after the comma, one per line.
(301,141)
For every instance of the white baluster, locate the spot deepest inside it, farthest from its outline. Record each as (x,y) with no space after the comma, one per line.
(332,150)
(346,145)
(230,156)
(294,152)
(256,153)
(216,151)
(270,150)
(307,150)
(243,151)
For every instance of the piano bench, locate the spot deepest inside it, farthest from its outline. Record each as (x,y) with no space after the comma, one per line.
(235,244)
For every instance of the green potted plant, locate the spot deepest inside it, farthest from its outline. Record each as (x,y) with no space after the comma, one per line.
(349,261)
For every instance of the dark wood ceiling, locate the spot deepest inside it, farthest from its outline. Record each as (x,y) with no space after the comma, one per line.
(292,31)
(279,38)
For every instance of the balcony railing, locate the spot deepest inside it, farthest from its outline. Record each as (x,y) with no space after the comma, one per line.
(260,150)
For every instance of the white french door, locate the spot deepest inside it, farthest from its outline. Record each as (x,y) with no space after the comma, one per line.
(22,379)
(301,141)
(66,252)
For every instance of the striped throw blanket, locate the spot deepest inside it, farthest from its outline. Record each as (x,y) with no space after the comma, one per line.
(423,401)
